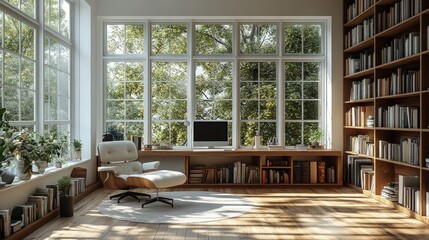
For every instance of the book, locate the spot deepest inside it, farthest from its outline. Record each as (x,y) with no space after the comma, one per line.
(321,172)
(297,172)
(406,181)
(305,175)
(313,172)
(6,223)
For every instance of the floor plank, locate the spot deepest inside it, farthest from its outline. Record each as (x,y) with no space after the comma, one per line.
(308,213)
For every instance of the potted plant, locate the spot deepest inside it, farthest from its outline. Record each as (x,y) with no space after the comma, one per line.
(45,151)
(22,148)
(66,200)
(5,155)
(77,149)
(60,146)
(315,135)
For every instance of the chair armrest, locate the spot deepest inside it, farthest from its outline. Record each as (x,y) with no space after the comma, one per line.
(150,166)
(107,169)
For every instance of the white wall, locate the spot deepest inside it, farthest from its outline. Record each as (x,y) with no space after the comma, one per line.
(178,8)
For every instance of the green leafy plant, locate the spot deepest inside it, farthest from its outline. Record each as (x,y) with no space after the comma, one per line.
(77,145)
(64,185)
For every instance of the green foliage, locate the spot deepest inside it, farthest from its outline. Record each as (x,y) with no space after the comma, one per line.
(77,144)
(64,185)
(315,135)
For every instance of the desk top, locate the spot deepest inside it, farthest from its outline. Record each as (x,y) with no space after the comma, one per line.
(241,152)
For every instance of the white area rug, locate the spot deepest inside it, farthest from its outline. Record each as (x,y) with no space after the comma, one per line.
(189,207)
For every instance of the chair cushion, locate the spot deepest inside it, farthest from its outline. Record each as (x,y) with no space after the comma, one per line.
(117,151)
(128,168)
(160,179)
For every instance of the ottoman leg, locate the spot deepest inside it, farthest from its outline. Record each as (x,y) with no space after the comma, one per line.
(159,199)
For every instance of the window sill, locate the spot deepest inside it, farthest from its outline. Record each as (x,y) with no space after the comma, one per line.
(48,172)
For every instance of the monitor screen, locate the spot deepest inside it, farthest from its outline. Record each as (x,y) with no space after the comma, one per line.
(210,133)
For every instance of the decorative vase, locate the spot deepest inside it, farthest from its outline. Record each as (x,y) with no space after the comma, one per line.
(7,176)
(21,166)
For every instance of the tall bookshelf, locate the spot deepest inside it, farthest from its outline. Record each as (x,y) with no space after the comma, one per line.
(386,76)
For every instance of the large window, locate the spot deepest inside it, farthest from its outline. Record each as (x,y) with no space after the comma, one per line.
(20,81)
(266,77)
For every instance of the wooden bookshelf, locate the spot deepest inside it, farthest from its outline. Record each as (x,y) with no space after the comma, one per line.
(409,30)
(281,161)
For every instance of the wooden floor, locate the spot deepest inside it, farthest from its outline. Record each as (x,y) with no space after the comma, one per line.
(318,214)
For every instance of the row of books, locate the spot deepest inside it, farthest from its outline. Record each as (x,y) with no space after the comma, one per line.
(409,192)
(406,151)
(78,186)
(276,176)
(397,13)
(359,33)
(357,116)
(359,62)
(43,201)
(313,172)
(362,144)
(400,47)
(357,7)
(360,171)
(362,89)
(401,81)
(276,162)
(237,172)
(398,116)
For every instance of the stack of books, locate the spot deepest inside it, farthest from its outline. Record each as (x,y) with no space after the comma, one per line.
(391,191)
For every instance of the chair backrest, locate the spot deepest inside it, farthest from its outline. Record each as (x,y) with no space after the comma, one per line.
(117,152)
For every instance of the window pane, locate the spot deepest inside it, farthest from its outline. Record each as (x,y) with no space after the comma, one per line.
(26,6)
(134,110)
(312,71)
(268,131)
(247,133)
(1,29)
(115,39)
(293,110)
(52,14)
(213,38)
(11,34)
(134,39)
(63,110)
(169,38)
(115,71)
(293,90)
(133,129)
(249,110)
(27,41)
(134,90)
(311,110)
(173,133)
(293,39)
(293,133)
(258,38)
(64,18)
(27,74)
(11,103)
(64,59)
(117,129)
(293,71)
(312,39)
(311,90)
(11,69)
(308,128)
(115,110)
(303,39)
(213,83)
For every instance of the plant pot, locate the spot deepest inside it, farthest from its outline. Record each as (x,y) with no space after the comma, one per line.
(21,166)
(58,164)
(7,176)
(41,166)
(77,155)
(66,206)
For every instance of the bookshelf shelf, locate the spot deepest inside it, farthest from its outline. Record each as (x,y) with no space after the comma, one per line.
(359,18)
(361,46)
(360,74)
(401,53)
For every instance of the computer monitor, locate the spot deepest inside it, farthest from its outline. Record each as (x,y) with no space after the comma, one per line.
(210,134)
